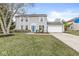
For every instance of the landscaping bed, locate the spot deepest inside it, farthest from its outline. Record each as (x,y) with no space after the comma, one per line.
(5,35)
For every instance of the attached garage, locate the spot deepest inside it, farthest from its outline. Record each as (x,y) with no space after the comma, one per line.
(55,27)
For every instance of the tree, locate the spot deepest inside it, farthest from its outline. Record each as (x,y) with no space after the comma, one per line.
(7,12)
(66,25)
(57,19)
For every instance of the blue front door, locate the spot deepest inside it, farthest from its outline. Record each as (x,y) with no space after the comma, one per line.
(33,28)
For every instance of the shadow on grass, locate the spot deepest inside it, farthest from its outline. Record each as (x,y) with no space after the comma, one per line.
(6,35)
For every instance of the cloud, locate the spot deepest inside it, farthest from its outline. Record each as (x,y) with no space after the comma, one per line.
(66,15)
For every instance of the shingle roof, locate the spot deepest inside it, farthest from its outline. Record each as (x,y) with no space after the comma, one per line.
(71,20)
(32,15)
(55,23)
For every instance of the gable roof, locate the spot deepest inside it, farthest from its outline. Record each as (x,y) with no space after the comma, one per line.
(31,15)
(54,23)
(71,20)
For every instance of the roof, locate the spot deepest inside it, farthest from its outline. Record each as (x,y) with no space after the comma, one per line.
(55,23)
(71,20)
(31,15)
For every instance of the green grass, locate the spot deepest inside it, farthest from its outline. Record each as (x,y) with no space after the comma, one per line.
(34,45)
(74,32)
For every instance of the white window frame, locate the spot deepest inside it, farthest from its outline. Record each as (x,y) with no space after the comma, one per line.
(42,19)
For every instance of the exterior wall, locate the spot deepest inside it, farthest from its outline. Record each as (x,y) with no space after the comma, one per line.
(75,26)
(19,23)
(31,21)
(63,28)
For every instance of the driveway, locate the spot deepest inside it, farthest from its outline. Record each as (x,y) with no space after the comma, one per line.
(69,39)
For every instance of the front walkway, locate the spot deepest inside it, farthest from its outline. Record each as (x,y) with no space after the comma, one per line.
(69,39)
(38,33)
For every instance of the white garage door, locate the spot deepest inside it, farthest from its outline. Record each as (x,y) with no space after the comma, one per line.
(55,29)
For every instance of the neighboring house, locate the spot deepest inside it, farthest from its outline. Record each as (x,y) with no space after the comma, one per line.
(55,27)
(75,24)
(31,22)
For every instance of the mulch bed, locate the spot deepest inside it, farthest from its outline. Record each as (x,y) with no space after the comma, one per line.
(42,33)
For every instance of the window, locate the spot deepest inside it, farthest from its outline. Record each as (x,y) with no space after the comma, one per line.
(21,27)
(41,20)
(26,20)
(21,19)
(26,27)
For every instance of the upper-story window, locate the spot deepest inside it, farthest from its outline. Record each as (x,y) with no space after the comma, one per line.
(21,19)
(26,20)
(41,19)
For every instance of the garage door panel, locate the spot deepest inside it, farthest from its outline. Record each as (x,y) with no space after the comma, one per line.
(54,28)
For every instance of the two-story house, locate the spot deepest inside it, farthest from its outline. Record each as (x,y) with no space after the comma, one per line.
(31,22)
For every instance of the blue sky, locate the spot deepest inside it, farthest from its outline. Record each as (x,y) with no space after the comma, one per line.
(64,11)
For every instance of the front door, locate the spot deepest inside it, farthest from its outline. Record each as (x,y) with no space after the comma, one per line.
(33,28)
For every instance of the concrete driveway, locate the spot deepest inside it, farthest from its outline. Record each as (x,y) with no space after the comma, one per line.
(69,39)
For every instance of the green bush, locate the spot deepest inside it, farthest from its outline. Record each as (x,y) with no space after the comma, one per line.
(22,31)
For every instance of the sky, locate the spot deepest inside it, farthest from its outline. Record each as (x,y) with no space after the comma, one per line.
(64,11)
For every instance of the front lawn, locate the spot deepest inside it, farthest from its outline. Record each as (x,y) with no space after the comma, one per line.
(74,32)
(33,45)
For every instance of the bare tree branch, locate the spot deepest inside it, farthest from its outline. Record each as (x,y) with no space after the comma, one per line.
(8,11)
